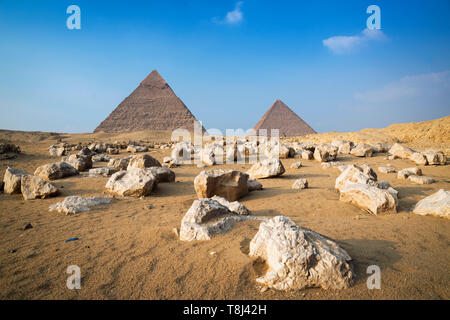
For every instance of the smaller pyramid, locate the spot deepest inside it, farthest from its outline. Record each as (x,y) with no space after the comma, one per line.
(281,117)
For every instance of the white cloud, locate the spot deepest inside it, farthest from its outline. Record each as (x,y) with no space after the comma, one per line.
(429,84)
(232,17)
(349,44)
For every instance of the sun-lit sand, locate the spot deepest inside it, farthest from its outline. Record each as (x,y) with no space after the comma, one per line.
(128,250)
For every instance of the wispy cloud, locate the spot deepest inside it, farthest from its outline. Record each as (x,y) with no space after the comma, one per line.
(232,17)
(416,86)
(350,44)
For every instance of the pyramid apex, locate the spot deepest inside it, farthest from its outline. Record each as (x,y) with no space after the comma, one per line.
(153,78)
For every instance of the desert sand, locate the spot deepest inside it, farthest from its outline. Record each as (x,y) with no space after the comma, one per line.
(128,250)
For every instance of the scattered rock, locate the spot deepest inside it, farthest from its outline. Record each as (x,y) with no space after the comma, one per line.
(74,204)
(234,206)
(134,149)
(300,184)
(438,204)
(400,151)
(381,147)
(57,170)
(27,226)
(435,157)
(102,157)
(102,172)
(79,162)
(266,169)
(421,179)
(307,155)
(206,218)
(230,184)
(386,170)
(362,150)
(296,165)
(419,159)
(135,182)
(162,174)
(325,153)
(326,165)
(254,184)
(299,258)
(12,179)
(405,173)
(56,151)
(119,163)
(33,187)
(143,161)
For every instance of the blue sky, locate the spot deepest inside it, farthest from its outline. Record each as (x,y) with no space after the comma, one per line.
(227,60)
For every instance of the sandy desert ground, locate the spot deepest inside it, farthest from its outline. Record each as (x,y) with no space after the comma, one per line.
(128,251)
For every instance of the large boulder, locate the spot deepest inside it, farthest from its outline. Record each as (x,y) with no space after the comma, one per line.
(353,174)
(79,161)
(400,151)
(419,159)
(143,161)
(230,184)
(75,204)
(12,180)
(57,151)
(299,258)
(344,146)
(33,187)
(266,169)
(381,147)
(362,150)
(438,204)
(57,170)
(325,152)
(306,154)
(162,174)
(119,163)
(135,182)
(435,157)
(368,197)
(208,217)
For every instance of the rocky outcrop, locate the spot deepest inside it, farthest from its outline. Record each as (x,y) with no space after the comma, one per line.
(57,170)
(230,184)
(74,204)
(135,182)
(266,169)
(33,187)
(299,258)
(438,204)
(12,180)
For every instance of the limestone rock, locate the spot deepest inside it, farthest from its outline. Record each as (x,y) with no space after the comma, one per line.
(299,258)
(235,206)
(230,184)
(381,147)
(143,161)
(12,180)
(296,165)
(400,151)
(353,174)
(57,151)
(135,182)
(344,146)
(420,179)
(362,150)
(438,204)
(102,172)
(79,162)
(325,153)
(112,151)
(369,197)
(300,184)
(405,173)
(254,184)
(119,163)
(207,156)
(435,157)
(386,170)
(266,169)
(57,170)
(75,204)
(33,187)
(307,155)
(102,157)
(326,165)
(134,149)
(419,159)
(206,218)
(162,174)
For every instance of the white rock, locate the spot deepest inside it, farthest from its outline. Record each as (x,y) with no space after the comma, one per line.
(135,182)
(230,184)
(33,187)
(142,161)
(266,169)
(420,179)
(12,180)
(300,184)
(438,204)
(298,258)
(400,151)
(405,173)
(75,204)
(102,172)
(296,165)
(362,150)
(57,170)
(386,170)
(325,153)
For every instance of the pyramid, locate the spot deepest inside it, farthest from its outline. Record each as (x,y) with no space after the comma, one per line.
(281,117)
(151,106)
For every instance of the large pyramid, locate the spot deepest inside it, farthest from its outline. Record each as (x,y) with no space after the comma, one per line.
(281,117)
(152,106)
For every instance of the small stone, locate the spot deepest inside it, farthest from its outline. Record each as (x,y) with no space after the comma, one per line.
(264,289)
(28,226)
